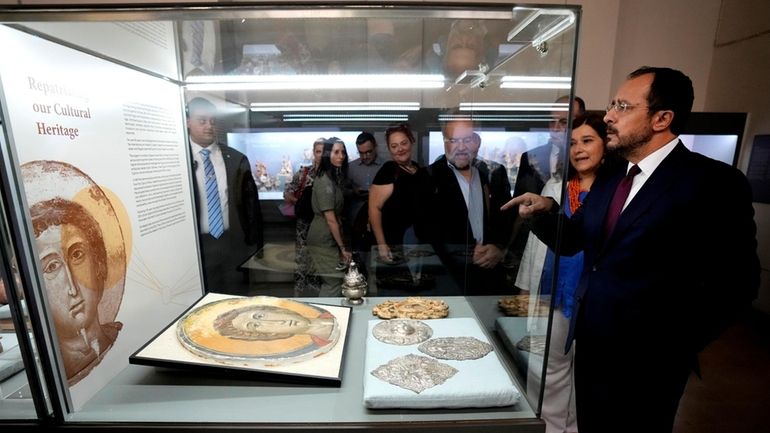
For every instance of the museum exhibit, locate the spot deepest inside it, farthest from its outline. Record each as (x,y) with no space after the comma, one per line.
(289,216)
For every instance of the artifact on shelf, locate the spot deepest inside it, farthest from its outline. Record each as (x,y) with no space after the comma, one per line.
(354,285)
(414,372)
(534,344)
(402,332)
(524,306)
(455,348)
(412,308)
(262,329)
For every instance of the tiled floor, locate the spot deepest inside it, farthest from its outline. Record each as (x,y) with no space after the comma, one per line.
(733,395)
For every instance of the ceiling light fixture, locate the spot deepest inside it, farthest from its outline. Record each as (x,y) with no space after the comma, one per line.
(314,82)
(498,118)
(345,118)
(335,106)
(513,106)
(524,82)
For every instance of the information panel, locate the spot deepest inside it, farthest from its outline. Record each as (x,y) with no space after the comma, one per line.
(103,160)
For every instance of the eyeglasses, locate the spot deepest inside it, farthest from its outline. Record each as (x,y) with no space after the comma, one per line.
(621,107)
(464,140)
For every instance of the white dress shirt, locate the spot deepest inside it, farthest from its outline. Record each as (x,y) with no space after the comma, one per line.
(473,194)
(200,178)
(647,167)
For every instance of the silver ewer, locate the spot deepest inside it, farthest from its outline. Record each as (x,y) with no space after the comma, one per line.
(354,285)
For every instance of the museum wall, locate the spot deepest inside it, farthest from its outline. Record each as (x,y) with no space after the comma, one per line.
(741,55)
(667,33)
(717,42)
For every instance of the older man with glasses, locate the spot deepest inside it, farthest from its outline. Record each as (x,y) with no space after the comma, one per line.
(470,232)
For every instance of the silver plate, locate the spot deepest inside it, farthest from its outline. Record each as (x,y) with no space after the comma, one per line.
(402,332)
(455,348)
(414,372)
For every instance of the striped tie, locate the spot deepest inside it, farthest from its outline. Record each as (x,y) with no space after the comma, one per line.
(196,57)
(216,226)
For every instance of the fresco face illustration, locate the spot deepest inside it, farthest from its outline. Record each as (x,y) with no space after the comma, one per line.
(73,270)
(82,258)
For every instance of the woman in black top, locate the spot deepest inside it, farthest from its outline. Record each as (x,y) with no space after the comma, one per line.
(397,195)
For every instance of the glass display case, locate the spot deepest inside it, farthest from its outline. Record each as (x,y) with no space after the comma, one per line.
(157,161)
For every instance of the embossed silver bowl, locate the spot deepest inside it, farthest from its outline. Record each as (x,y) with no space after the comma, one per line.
(354,285)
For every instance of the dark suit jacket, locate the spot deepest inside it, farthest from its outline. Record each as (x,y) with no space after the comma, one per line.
(221,257)
(243,197)
(245,214)
(685,248)
(451,230)
(534,170)
(678,267)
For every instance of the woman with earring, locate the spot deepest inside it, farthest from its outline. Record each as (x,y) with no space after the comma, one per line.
(325,238)
(587,151)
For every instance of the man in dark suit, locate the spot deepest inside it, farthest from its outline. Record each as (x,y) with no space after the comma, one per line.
(470,229)
(677,266)
(537,166)
(229,215)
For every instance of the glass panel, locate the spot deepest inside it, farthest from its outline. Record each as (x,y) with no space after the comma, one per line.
(410,234)
(16,401)
(20,367)
(330,139)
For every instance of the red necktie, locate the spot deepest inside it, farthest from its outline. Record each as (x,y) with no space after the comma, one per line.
(618,200)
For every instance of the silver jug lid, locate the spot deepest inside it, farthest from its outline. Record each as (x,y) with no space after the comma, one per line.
(353,278)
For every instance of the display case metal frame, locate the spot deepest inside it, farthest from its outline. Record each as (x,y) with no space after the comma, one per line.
(44,370)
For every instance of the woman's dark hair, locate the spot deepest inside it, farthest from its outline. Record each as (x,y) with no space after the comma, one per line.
(337,175)
(402,128)
(595,120)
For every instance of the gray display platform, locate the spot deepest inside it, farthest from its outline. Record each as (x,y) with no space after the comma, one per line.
(165,397)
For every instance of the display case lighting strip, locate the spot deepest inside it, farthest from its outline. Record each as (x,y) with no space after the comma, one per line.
(335,106)
(513,106)
(345,118)
(497,118)
(314,82)
(525,82)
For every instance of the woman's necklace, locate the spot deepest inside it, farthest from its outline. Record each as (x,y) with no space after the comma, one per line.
(409,168)
(573,193)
